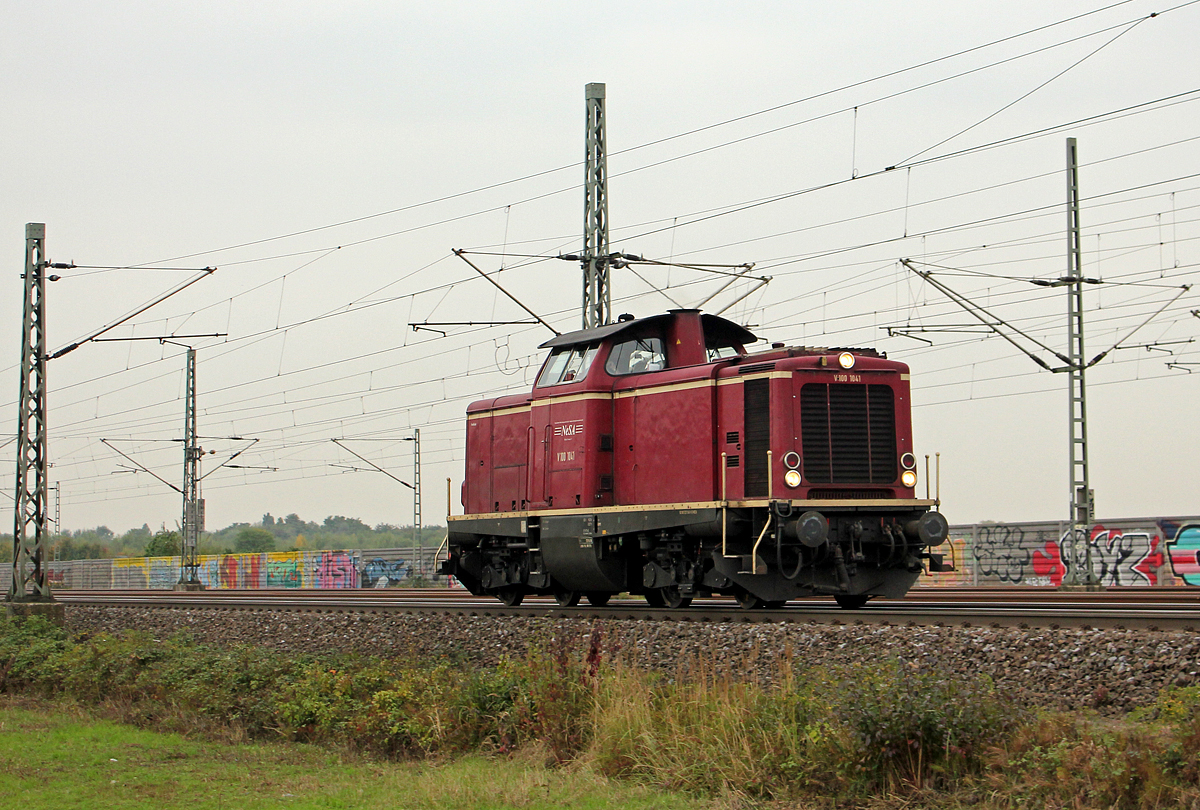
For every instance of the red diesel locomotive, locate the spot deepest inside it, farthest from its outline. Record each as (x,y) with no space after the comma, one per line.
(656,456)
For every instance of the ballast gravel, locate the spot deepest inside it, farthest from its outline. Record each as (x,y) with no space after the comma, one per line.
(1113,671)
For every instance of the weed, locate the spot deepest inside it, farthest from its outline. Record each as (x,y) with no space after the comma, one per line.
(917,728)
(846,736)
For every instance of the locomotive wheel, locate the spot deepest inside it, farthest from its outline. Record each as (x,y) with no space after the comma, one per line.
(511,596)
(567,598)
(654,598)
(851,602)
(598,598)
(748,601)
(671,597)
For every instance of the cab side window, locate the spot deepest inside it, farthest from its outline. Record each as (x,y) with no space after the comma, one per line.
(720,353)
(568,365)
(637,356)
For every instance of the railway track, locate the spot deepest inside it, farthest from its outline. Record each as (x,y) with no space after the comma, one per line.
(1112,608)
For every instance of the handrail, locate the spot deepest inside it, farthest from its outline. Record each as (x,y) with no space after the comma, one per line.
(770,516)
(445,540)
(761,535)
(724,504)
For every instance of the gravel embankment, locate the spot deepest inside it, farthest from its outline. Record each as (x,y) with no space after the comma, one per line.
(1112,670)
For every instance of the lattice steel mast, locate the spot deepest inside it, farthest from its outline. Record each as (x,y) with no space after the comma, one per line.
(597,296)
(29,534)
(30,537)
(193,506)
(57,545)
(417,497)
(1081,510)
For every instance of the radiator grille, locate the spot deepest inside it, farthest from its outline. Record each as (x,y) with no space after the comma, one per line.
(849,494)
(757,403)
(849,433)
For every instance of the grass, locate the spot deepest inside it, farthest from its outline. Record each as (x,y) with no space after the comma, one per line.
(55,756)
(567,725)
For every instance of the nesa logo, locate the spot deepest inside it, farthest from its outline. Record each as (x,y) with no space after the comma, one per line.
(569,428)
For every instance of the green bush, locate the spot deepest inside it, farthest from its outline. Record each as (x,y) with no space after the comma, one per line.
(109,668)
(439,709)
(1082,761)
(1149,760)
(918,728)
(324,699)
(239,686)
(835,735)
(30,654)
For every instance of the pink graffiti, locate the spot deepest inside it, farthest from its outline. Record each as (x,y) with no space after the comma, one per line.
(335,569)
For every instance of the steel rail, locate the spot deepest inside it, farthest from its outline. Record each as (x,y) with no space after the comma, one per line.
(1128,608)
(1183,595)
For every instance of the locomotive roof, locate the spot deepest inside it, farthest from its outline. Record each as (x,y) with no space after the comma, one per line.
(717,331)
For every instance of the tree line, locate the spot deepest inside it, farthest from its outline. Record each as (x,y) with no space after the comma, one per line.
(290,533)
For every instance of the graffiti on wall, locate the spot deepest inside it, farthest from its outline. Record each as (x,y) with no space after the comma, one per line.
(1001,552)
(283,569)
(286,569)
(140,573)
(379,573)
(1116,557)
(1165,551)
(1185,552)
(1161,552)
(233,571)
(333,570)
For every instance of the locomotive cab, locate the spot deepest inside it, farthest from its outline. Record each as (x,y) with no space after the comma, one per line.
(656,456)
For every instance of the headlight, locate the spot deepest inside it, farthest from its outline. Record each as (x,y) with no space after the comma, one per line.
(791,460)
(908,461)
(908,478)
(846,360)
(791,478)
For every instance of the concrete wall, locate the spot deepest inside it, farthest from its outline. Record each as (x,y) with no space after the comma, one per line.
(1128,551)
(283,569)
(370,568)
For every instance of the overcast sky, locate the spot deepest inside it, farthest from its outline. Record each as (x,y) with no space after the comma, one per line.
(327,158)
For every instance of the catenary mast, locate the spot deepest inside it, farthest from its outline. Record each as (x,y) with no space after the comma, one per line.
(193,505)
(30,538)
(597,295)
(1082,512)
